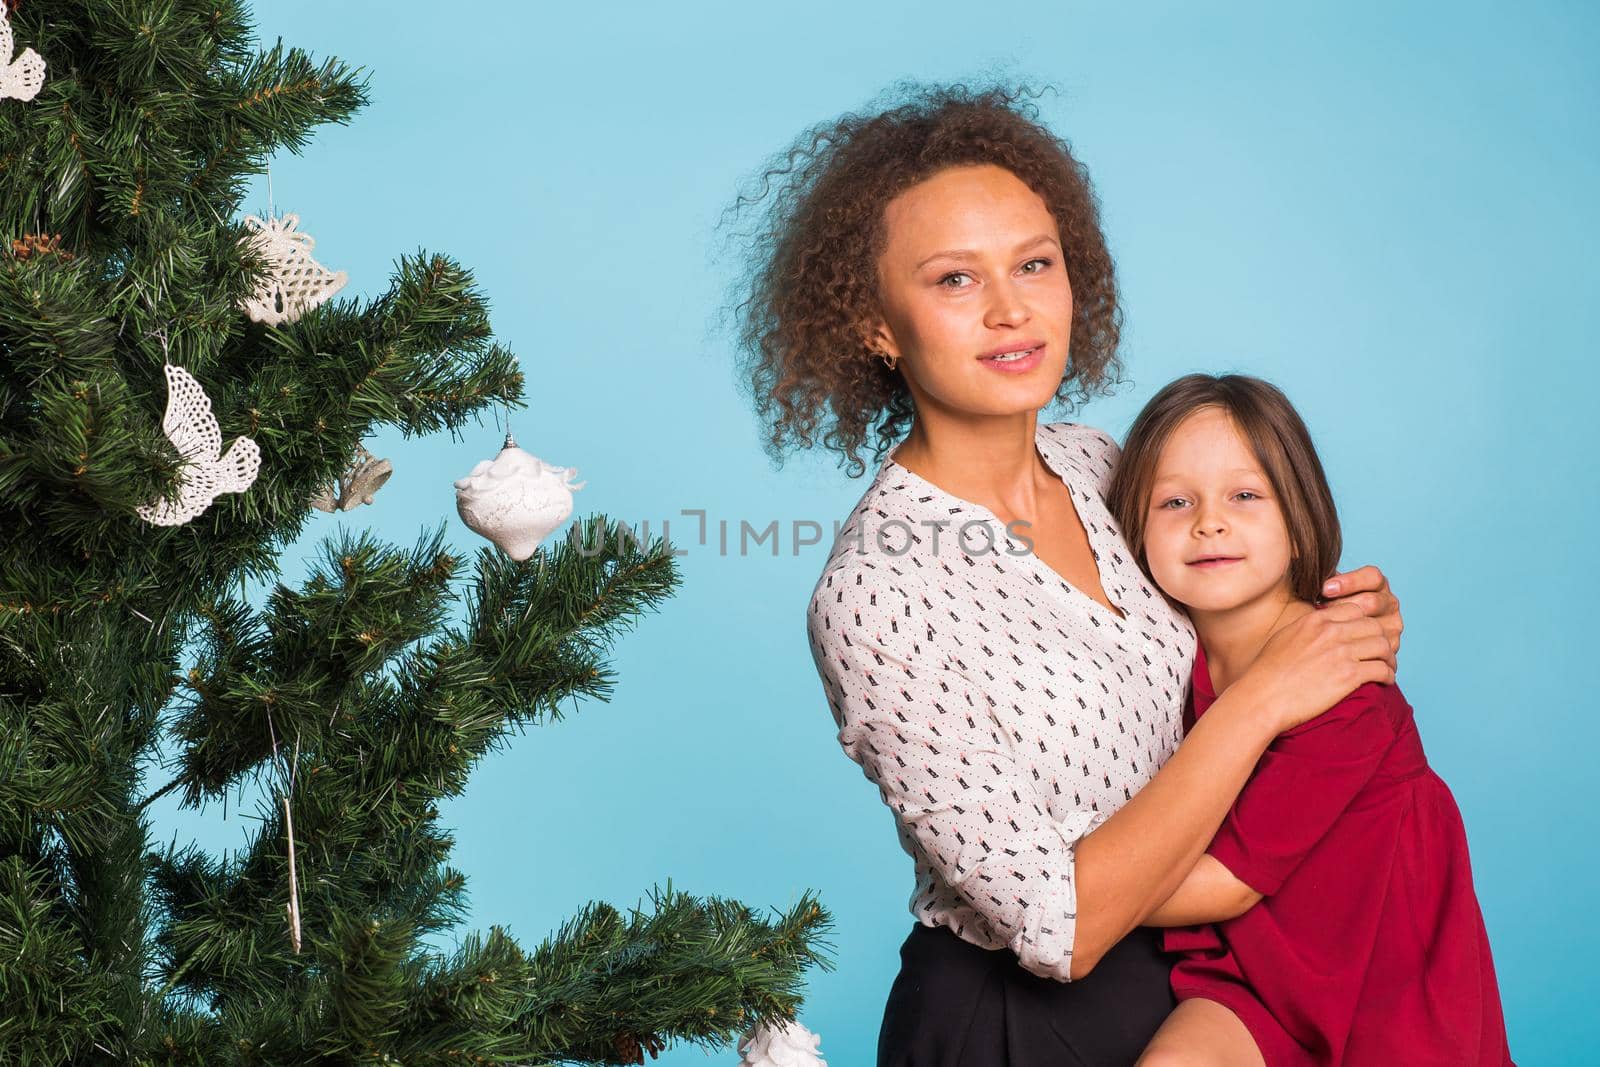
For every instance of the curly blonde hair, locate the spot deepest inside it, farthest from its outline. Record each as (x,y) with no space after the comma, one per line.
(810,289)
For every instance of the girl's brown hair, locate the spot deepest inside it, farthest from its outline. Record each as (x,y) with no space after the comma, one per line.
(810,290)
(1282,446)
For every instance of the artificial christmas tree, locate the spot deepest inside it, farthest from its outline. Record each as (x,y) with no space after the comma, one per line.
(352,695)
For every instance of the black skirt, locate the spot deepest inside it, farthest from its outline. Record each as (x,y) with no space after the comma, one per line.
(954,1004)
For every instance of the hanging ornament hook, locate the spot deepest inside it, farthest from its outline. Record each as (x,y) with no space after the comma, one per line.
(287,777)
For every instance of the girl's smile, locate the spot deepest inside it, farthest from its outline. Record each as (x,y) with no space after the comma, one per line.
(1215,538)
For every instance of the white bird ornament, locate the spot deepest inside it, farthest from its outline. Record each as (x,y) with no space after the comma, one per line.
(206,472)
(21,76)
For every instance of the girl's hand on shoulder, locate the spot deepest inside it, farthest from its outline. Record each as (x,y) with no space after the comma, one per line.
(1367,588)
(1316,661)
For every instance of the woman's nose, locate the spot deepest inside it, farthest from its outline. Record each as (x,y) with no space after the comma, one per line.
(1006,306)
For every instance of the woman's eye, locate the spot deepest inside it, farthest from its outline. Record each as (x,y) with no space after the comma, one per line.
(1245,494)
(1042,259)
(947,277)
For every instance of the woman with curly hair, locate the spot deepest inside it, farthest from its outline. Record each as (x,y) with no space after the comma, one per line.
(994,658)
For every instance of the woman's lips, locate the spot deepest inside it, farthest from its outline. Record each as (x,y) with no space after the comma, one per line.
(1214,561)
(1016,366)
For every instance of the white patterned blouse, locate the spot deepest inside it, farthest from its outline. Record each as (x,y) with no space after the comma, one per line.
(1002,713)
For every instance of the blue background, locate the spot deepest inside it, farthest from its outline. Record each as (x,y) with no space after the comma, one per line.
(1387,209)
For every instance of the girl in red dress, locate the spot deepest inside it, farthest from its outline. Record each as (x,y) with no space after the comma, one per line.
(1332,920)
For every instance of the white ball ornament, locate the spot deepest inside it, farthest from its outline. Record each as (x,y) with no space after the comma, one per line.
(787,1044)
(516,499)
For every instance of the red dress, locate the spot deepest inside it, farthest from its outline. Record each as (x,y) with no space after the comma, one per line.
(1367,946)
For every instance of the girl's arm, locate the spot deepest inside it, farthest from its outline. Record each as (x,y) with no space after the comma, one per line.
(1130,864)
(1209,894)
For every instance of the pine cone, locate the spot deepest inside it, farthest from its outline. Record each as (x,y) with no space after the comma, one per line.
(631,1051)
(38,244)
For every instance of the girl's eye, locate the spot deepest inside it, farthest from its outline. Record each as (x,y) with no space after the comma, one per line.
(1168,504)
(1246,494)
(947,277)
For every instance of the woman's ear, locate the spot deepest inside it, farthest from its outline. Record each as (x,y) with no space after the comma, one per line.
(882,341)
(877,340)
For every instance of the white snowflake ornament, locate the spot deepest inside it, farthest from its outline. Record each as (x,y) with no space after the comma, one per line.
(206,472)
(786,1045)
(516,499)
(21,76)
(296,283)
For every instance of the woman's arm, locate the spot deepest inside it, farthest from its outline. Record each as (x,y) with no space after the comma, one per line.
(1209,894)
(952,779)
(1136,859)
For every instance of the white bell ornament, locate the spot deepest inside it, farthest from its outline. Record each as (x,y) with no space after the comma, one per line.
(357,486)
(294,283)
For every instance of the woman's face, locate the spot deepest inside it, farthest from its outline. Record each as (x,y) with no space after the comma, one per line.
(973,265)
(1215,537)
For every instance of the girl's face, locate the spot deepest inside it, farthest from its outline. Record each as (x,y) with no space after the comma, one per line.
(1215,538)
(972,265)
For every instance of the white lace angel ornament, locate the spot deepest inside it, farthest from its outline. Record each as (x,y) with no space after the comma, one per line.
(21,76)
(787,1044)
(207,472)
(516,499)
(296,283)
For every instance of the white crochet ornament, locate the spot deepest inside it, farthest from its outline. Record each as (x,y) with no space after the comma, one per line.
(516,499)
(21,76)
(296,283)
(786,1045)
(206,472)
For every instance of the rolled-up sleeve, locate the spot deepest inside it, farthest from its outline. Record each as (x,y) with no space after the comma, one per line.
(927,738)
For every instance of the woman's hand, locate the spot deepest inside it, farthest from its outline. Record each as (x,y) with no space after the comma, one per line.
(1316,661)
(1367,587)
